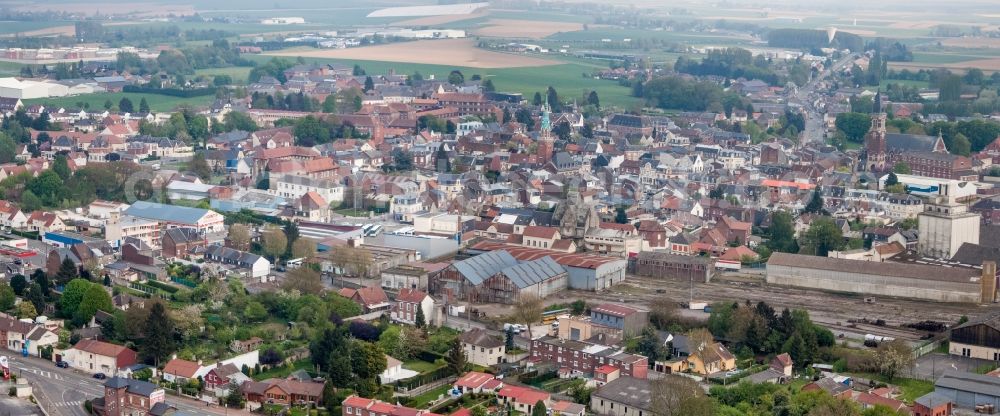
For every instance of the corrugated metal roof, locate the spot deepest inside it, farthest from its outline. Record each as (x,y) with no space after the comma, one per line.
(532,272)
(166,213)
(975,383)
(479,268)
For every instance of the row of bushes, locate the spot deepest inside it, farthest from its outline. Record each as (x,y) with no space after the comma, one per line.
(172,92)
(162,286)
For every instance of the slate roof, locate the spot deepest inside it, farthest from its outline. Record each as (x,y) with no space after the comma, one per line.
(139,387)
(480,338)
(479,268)
(166,213)
(932,400)
(909,142)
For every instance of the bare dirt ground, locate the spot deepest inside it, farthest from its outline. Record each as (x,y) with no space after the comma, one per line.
(457,52)
(987,65)
(49,31)
(532,29)
(972,42)
(832,310)
(138,9)
(439,20)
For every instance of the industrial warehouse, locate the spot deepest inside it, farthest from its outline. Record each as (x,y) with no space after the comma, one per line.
(916,281)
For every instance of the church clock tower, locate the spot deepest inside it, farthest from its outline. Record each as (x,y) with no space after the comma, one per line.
(875,146)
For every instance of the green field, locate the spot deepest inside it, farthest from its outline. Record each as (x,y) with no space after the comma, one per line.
(618,35)
(96,101)
(943,58)
(238,73)
(10,68)
(567,78)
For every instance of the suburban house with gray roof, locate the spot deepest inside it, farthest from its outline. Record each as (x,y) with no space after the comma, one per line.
(248,264)
(173,216)
(497,277)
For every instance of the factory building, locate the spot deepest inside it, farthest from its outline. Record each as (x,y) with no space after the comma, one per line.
(905,280)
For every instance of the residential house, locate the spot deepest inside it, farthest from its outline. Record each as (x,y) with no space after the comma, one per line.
(407,304)
(181,371)
(25,337)
(182,242)
(223,377)
(699,359)
(249,264)
(283,392)
(93,356)
(522,399)
(359,406)
(476,382)
(371,299)
(583,358)
(482,348)
(128,397)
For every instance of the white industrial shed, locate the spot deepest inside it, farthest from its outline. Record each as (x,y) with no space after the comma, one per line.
(14,88)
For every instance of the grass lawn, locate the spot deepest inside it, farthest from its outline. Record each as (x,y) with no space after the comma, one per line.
(420,366)
(351,212)
(421,401)
(10,68)
(27,26)
(282,372)
(156,102)
(238,73)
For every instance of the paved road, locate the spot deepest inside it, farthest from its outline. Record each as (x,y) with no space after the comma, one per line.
(62,391)
(815,130)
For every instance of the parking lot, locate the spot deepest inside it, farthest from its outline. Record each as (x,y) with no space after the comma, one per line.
(932,366)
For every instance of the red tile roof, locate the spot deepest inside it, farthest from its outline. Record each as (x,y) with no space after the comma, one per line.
(99,347)
(183,368)
(523,395)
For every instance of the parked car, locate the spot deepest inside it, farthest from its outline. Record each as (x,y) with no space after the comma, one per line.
(62,364)
(100,376)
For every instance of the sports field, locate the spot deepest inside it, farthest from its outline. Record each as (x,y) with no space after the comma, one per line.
(459,52)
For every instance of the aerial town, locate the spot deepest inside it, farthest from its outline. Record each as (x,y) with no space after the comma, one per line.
(499,208)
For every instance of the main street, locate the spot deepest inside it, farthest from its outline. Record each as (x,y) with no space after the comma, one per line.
(62,391)
(805,96)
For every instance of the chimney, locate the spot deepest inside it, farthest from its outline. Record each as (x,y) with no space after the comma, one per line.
(989,282)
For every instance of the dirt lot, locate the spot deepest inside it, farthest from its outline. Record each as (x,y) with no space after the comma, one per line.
(832,310)
(49,31)
(439,20)
(532,29)
(458,52)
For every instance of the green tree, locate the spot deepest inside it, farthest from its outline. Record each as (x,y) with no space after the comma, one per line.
(67,272)
(7,297)
(369,84)
(456,77)
(815,204)
(199,166)
(854,125)
(420,320)
(72,296)
(19,283)
(36,296)
(539,409)
(649,344)
(108,104)
(553,98)
(274,243)
(488,86)
(330,104)
(891,179)
(26,310)
(960,145)
(143,106)
(822,237)
(621,217)
(902,168)
(255,312)
(593,99)
(125,105)
(158,342)
(367,360)
(782,233)
(61,166)
(8,149)
(95,298)
(537,99)
(456,358)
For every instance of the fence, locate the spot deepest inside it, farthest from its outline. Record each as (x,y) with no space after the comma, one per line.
(927,348)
